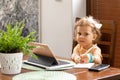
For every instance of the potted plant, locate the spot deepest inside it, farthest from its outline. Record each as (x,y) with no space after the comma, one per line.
(12,47)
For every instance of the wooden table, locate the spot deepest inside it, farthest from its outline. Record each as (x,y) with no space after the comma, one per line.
(108,74)
(82,74)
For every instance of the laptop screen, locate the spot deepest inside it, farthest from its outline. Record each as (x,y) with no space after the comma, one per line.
(46,58)
(43,60)
(45,55)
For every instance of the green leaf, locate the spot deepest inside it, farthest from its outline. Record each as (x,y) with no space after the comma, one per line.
(11,40)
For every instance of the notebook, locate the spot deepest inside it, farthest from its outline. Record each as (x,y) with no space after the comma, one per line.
(46,58)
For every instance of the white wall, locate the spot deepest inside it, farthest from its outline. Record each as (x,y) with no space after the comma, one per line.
(79,8)
(56,25)
(57,21)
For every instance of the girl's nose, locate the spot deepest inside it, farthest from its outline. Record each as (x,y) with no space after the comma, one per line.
(81,36)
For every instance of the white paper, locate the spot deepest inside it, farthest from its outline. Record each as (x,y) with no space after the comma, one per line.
(84,65)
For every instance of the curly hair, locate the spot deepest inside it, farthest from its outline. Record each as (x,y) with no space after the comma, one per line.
(93,23)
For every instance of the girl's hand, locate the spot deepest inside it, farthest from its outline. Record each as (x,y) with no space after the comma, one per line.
(77,59)
(85,58)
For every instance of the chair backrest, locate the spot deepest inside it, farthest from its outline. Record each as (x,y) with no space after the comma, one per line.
(106,42)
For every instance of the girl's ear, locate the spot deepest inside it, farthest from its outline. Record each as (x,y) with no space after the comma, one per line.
(94,36)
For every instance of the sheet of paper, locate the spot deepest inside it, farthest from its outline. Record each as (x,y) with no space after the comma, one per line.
(84,65)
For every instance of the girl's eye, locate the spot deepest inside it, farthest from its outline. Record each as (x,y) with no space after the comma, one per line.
(86,34)
(79,33)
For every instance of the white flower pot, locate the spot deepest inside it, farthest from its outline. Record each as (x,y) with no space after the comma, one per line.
(11,63)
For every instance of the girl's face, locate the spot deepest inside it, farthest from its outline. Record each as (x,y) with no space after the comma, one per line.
(85,36)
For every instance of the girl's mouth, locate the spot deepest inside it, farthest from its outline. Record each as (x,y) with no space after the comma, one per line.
(81,41)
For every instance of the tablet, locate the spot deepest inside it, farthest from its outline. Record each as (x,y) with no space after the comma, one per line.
(46,58)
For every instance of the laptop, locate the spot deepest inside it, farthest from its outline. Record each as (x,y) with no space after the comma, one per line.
(46,58)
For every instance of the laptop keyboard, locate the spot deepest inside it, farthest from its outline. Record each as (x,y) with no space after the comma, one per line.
(60,62)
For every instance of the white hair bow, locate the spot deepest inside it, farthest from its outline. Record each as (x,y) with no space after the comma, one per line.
(97,25)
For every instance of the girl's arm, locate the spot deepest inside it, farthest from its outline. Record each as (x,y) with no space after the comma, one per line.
(97,56)
(75,55)
(94,57)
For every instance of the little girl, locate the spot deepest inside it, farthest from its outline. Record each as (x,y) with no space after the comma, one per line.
(87,33)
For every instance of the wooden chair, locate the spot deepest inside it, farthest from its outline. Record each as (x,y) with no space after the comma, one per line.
(106,42)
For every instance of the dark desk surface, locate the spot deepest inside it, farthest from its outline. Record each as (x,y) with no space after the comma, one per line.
(82,74)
